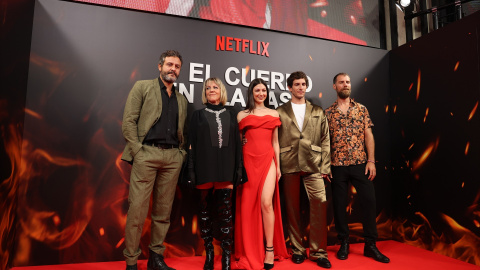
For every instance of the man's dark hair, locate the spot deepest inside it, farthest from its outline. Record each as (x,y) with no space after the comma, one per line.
(341,73)
(169,53)
(296,76)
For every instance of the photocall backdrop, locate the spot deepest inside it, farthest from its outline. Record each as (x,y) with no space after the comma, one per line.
(73,187)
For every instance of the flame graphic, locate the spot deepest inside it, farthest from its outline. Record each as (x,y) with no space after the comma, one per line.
(418,83)
(32,113)
(134,75)
(472,113)
(456,66)
(460,243)
(418,163)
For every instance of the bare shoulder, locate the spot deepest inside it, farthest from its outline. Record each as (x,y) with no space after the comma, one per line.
(241,115)
(272,112)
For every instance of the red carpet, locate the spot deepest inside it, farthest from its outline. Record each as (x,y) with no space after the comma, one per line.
(402,257)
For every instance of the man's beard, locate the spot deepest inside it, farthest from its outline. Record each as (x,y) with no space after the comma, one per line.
(169,77)
(345,93)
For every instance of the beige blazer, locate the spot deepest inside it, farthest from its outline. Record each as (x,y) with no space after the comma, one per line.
(142,110)
(307,151)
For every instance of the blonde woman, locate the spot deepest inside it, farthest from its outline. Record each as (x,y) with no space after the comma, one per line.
(214,167)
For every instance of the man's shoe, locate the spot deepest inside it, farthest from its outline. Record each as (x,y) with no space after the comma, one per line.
(156,262)
(342,253)
(298,258)
(324,262)
(371,250)
(132,267)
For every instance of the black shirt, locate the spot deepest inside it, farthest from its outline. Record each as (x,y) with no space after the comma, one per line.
(165,129)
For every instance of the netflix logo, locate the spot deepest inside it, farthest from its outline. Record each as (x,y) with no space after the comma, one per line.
(231,44)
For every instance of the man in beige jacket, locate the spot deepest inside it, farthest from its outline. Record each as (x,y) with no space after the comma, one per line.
(153,124)
(305,157)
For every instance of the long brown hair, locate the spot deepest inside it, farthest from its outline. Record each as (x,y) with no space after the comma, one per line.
(250,100)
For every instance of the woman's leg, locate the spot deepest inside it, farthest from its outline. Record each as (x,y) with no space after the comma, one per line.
(267,210)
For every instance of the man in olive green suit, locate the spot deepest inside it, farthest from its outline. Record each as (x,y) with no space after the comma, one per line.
(305,157)
(153,124)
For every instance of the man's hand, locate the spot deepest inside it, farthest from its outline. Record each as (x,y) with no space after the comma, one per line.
(370,170)
(244,141)
(326,177)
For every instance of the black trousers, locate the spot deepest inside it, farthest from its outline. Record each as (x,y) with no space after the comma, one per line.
(355,174)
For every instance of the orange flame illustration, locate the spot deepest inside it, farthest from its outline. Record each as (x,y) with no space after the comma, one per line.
(472,113)
(417,164)
(418,83)
(456,66)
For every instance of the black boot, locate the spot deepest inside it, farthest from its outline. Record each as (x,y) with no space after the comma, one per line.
(155,262)
(223,199)
(205,222)
(342,253)
(371,250)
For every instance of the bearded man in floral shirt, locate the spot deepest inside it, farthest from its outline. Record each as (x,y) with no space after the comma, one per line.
(352,161)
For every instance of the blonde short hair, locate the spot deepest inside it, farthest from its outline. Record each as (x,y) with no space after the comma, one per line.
(223,90)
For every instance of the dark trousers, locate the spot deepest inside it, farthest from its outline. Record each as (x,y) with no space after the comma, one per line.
(354,174)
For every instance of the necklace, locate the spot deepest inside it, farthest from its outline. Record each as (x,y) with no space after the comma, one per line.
(219,123)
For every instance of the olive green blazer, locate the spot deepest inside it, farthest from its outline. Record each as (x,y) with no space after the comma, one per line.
(142,110)
(307,151)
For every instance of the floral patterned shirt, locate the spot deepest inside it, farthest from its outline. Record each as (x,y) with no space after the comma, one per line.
(347,133)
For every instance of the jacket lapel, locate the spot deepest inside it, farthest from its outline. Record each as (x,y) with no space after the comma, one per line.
(291,114)
(158,95)
(308,112)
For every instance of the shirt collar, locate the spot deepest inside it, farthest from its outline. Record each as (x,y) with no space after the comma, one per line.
(352,103)
(163,87)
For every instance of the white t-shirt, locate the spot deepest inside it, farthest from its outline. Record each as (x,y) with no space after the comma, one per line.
(299,111)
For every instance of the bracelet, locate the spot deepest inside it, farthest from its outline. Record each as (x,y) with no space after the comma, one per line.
(372,161)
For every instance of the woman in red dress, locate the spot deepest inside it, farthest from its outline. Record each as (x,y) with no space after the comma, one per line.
(259,236)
